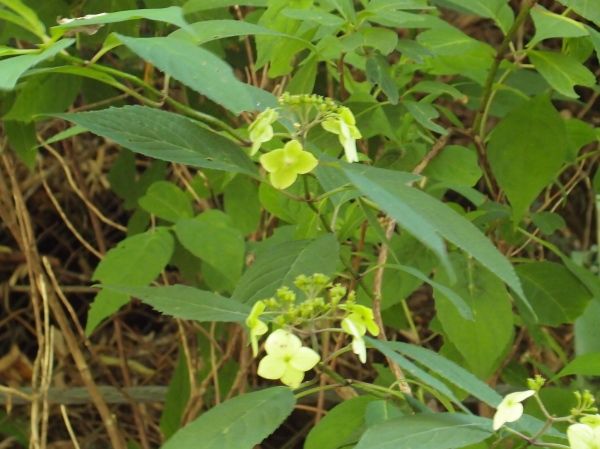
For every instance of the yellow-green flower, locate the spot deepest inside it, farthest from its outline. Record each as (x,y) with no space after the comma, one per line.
(261,130)
(344,125)
(256,326)
(285,164)
(363,318)
(358,342)
(286,359)
(583,436)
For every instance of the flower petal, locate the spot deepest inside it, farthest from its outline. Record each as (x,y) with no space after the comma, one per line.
(271,367)
(331,125)
(282,179)
(581,436)
(508,412)
(304,359)
(359,348)
(519,396)
(292,377)
(306,162)
(273,160)
(353,327)
(282,343)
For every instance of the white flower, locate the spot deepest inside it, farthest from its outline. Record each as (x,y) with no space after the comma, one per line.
(511,409)
(344,125)
(286,358)
(358,343)
(583,436)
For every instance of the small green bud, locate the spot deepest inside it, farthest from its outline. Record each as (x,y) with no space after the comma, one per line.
(286,295)
(536,383)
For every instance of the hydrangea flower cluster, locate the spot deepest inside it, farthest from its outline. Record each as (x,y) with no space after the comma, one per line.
(304,112)
(323,305)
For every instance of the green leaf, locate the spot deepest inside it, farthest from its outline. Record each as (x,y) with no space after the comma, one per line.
(188,303)
(11,69)
(32,21)
(562,72)
(388,189)
(135,261)
(379,38)
(587,9)
(211,237)
(450,371)
(172,15)
(381,411)
(240,200)
(203,5)
(341,426)
(424,113)
(238,423)
(483,341)
(556,295)
(455,165)
(541,143)
(427,431)
(587,331)
(200,70)
(176,398)
(386,348)
(378,73)
(498,10)
(315,15)
(166,136)
(23,141)
(550,25)
(167,201)
(283,262)
(584,365)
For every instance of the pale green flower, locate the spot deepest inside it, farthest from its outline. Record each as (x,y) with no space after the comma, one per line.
(358,343)
(286,359)
(363,318)
(256,326)
(261,130)
(285,164)
(344,125)
(511,409)
(584,436)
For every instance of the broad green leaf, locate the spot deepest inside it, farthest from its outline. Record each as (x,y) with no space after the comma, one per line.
(304,79)
(556,295)
(483,341)
(240,201)
(427,431)
(342,425)
(315,15)
(200,70)
(587,9)
(203,5)
(386,348)
(541,143)
(595,38)
(498,10)
(450,371)
(562,72)
(389,191)
(166,136)
(167,201)
(283,262)
(579,134)
(11,69)
(381,411)
(548,222)
(424,113)
(22,140)
(135,261)
(211,237)
(43,95)
(188,303)
(172,15)
(587,331)
(455,165)
(382,39)
(550,25)
(238,423)
(176,398)
(584,365)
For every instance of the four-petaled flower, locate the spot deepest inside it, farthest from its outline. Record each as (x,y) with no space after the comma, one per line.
(256,326)
(585,434)
(286,358)
(511,409)
(356,324)
(344,125)
(285,164)
(261,130)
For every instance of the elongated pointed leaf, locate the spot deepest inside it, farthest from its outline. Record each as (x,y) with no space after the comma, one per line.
(239,423)
(166,136)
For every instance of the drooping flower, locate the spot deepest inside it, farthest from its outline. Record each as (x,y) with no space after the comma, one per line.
(261,129)
(285,164)
(583,436)
(256,326)
(286,358)
(511,409)
(359,320)
(344,125)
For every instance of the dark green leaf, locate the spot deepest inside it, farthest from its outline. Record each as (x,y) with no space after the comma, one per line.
(167,201)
